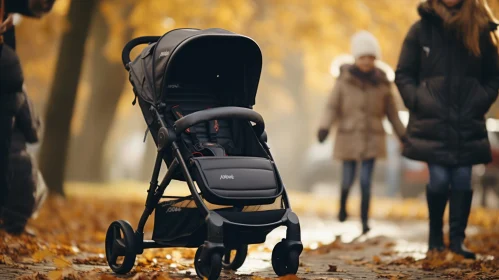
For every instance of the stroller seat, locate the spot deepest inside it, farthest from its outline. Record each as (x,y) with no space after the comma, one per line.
(211,138)
(223,174)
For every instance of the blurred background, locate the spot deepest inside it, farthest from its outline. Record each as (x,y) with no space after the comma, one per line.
(303,44)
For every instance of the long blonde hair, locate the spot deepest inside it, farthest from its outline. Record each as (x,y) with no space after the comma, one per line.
(469,22)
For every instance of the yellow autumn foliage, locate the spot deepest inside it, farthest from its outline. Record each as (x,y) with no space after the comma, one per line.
(319,30)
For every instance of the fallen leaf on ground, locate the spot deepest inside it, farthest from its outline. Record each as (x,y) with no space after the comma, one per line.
(393,276)
(449,256)
(96,260)
(289,277)
(159,276)
(380,269)
(34,276)
(42,255)
(404,261)
(107,277)
(452,270)
(376,260)
(55,275)
(390,244)
(484,268)
(61,262)
(6,260)
(471,276)
(332,268)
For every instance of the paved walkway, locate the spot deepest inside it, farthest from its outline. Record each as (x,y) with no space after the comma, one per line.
(393,249)
(354,259)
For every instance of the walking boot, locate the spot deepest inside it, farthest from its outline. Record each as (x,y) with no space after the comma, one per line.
(364,213)
(460,206)
(436,208)
(13,222)
(342,215)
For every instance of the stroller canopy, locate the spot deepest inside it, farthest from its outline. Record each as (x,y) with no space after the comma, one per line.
(213,58)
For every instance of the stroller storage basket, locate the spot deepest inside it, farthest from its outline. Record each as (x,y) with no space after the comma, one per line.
(237,180)
(179,223)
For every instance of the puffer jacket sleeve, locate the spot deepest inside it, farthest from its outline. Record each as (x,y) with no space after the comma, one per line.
(490,81)
(332,109)
(18,6)
(393,116)
(31,8)
(28,121)
(407,73)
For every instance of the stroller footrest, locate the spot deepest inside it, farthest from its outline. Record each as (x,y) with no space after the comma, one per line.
(237,180)
(254,218)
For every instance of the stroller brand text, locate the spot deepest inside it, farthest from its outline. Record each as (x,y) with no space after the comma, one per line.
(227,177)
(173,209)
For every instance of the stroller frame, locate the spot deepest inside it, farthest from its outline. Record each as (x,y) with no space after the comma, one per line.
(123,241)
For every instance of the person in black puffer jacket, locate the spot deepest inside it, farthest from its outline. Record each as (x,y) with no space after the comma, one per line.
(448,77)
(11,76)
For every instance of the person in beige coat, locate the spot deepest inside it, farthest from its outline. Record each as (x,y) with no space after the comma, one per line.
(361,98)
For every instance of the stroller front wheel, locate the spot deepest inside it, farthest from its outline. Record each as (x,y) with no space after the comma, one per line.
(235,263)
(208,270)
(285,261)
(120,247)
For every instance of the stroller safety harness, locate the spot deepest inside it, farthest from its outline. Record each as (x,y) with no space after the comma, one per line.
(196,89)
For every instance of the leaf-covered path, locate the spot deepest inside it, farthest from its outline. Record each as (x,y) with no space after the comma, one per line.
(70,234)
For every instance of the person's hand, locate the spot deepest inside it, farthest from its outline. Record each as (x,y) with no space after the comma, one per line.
(6,24)
(322,134)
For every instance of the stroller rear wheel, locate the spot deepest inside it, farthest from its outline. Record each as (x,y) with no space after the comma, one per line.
(285,262)
(120,247)
(208,270)
(233,261)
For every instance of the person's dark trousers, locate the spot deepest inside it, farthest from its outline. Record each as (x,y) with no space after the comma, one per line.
(11,81)
(342,215)
(436,208)
(457,179)
(349,171)
(364,210)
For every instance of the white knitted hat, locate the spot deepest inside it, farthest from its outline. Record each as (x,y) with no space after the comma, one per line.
(364,43)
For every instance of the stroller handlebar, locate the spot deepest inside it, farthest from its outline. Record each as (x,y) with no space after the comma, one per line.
(221,113)
(125,54)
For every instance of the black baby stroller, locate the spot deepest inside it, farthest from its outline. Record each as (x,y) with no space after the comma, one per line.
(196,89)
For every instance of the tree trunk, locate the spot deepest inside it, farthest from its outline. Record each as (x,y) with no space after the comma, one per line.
(63,94)
(108,79)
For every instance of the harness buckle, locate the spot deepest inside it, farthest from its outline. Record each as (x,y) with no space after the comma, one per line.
(198,146)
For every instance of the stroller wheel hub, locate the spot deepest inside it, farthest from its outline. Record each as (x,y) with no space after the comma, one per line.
(121,247)
(208,264)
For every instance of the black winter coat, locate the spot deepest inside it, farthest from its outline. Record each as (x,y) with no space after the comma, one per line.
(24,195)
(448,91)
